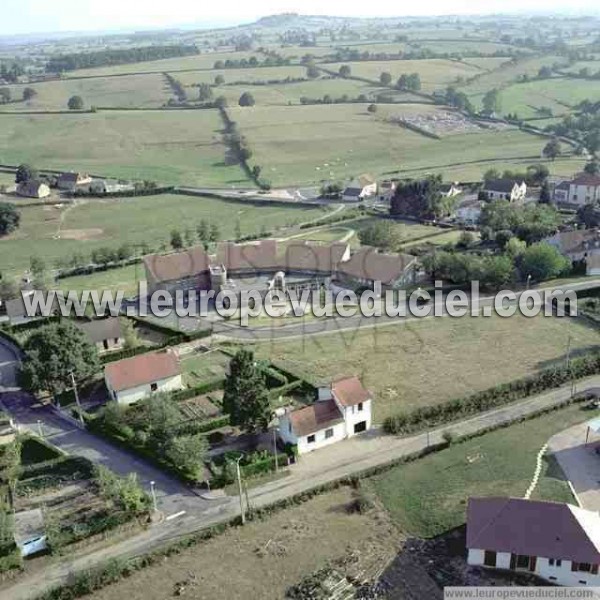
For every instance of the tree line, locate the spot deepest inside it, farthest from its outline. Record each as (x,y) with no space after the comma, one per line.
(103,58)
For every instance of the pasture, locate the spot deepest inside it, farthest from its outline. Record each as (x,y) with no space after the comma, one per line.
(435,73)
(466,355)
(136,91)
(204,61)
(428,497)
(166,146)
(560,94)
(57,232)
(309,144)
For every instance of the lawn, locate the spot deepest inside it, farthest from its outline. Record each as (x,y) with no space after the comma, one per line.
(428,497)
(205,366)
(308,144)
(123,279)
(141,91)
(426,362)
(559,94)
(435,73)
(55,232)
(182,147)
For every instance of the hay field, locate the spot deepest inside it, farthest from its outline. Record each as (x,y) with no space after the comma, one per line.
(139,91)
(165,146)
(301,145)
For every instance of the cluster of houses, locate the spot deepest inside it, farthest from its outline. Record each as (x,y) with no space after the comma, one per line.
(70,182)
(340,411)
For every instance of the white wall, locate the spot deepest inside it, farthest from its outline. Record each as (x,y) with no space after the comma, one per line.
(560,575)
(135,394)
(339,433)
(353,416)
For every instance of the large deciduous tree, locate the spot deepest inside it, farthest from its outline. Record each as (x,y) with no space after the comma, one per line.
(52,353)
(543,261)
(245,396)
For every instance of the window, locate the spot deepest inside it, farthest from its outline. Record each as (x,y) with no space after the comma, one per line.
(311,439)
(522,561)
(551,562)
(329,433)
(290,426)
(558,562)
(585,567)
(360,406)
(489,558)
(153,387)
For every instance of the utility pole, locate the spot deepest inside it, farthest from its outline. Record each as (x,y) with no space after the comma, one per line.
(275,449)
(77,399)
(568,351)
(153,491)
(241,492)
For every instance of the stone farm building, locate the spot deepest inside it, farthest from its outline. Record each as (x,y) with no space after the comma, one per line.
(359,189)
(135,378)
(33,189)
(308,265)
(558,542)
(69,182)
(341,411)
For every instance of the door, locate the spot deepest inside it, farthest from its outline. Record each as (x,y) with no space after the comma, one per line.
(360,427)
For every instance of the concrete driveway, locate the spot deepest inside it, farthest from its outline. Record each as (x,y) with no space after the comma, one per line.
(579,462)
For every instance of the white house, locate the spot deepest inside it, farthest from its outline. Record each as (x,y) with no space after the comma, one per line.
(341,411)
(583,189)
(558,542)
(136,378)
(505,189)
(359,189)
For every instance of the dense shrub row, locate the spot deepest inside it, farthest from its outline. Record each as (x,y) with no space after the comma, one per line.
(431,416)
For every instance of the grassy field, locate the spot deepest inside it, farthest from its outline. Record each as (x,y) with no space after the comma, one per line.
(124,279)
(558,94)
(311,143)
(428,497)
(141,91)
(203,367)
(249,74)
(398,363)
(166,146)
(264,558)
(435,73)
(507,74)
(200,61)
(57,232)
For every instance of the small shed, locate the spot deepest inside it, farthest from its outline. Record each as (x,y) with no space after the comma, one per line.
(30,533)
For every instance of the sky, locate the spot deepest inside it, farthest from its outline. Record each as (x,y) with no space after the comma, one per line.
(35,16)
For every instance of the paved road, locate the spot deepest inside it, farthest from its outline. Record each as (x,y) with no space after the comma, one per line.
(328,464)
(172,495)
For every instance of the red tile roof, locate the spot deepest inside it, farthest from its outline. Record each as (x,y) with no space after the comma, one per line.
(533,528)
(586,179)
(178,265)
(350,391)
(315,417)
(302,256)
(251,256)
(141,370)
